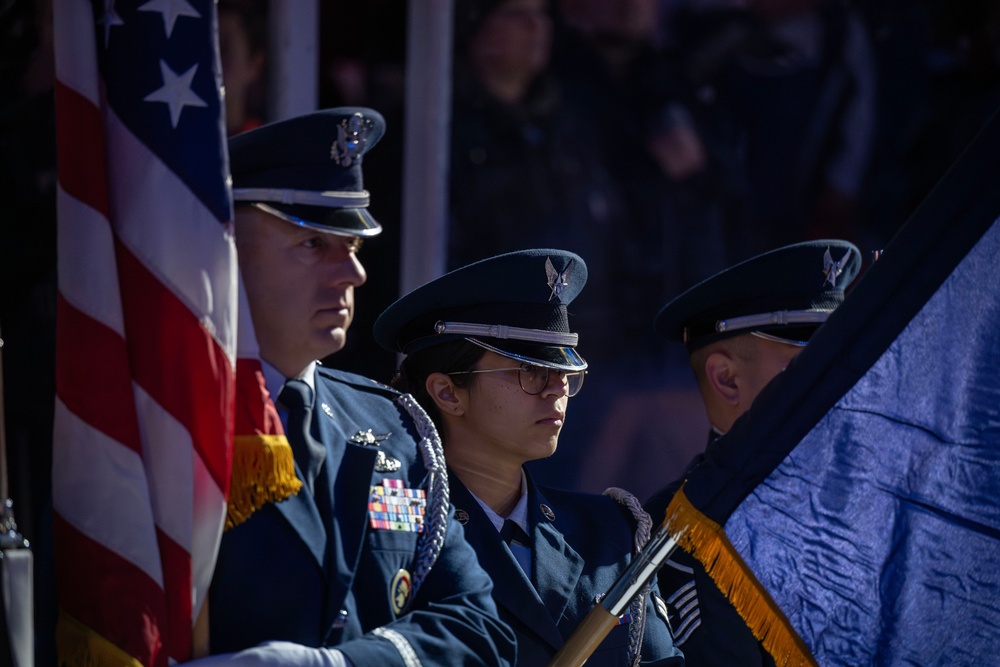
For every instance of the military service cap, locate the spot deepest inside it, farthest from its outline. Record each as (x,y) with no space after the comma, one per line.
(785,293)
(307,169)
(513,304)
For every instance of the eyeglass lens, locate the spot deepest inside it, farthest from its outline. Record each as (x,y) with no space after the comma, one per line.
(534,379)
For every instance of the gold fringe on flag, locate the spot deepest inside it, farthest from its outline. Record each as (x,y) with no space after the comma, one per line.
(79,646)
(706,541)
(263,472)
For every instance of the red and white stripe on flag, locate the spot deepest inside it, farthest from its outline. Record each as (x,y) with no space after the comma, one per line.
(146,327)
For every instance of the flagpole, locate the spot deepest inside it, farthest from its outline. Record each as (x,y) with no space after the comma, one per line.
(598,623)
(16,567)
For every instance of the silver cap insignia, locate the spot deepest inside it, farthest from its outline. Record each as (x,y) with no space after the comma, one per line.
(557,282)
(352,136)
(832,269)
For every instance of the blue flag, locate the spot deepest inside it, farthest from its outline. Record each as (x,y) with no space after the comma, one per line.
(852,515)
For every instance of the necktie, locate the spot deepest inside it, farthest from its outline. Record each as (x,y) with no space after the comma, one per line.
(296,395)
(519,543)
(511,532)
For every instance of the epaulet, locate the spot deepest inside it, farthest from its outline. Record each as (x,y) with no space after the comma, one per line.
(355,380)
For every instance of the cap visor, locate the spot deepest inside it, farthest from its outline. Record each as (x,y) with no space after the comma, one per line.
(548,356)
(341,221)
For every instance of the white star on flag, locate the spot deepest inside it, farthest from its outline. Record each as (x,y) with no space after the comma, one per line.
(170,10)
(176,92)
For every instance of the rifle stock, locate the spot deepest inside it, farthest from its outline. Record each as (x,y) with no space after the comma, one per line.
(598,623)
(588,635)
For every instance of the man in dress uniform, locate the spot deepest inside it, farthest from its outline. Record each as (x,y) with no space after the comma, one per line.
(365,564)
(741,327)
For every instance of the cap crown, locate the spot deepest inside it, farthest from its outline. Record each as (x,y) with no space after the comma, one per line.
(513,303)
(307,169)
(787,292)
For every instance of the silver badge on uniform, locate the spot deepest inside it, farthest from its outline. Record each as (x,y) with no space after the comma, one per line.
(547,512)
(461,516)
(385,463)
(369,439)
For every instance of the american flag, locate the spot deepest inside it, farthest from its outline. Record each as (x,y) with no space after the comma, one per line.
(146,328)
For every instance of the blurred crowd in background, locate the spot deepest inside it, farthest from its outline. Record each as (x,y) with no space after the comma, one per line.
(662,140)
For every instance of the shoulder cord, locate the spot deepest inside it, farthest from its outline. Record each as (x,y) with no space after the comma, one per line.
(637,628)
(436,520)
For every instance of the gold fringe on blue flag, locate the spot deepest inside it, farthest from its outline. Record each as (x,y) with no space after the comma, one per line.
(706,540)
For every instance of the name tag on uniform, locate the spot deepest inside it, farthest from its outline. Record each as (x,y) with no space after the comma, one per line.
(393,506)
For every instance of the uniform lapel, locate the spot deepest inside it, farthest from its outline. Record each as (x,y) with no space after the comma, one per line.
(346,486)
(511,588)
(302,514)
(557,566)
(351,492)
(346,479)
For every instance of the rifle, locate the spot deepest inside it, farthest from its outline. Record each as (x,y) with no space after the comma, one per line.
(16,570)
(630,583)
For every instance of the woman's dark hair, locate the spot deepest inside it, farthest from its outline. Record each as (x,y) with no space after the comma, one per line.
(451,357)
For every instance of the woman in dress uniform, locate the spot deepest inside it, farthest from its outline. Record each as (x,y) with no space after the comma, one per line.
(490,356)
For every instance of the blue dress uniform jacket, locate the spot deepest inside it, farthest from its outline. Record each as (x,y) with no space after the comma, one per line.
(580,543)
(314,571)
(705,624)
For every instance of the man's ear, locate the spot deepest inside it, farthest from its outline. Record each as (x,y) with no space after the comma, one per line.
(722,375)
(441,389)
